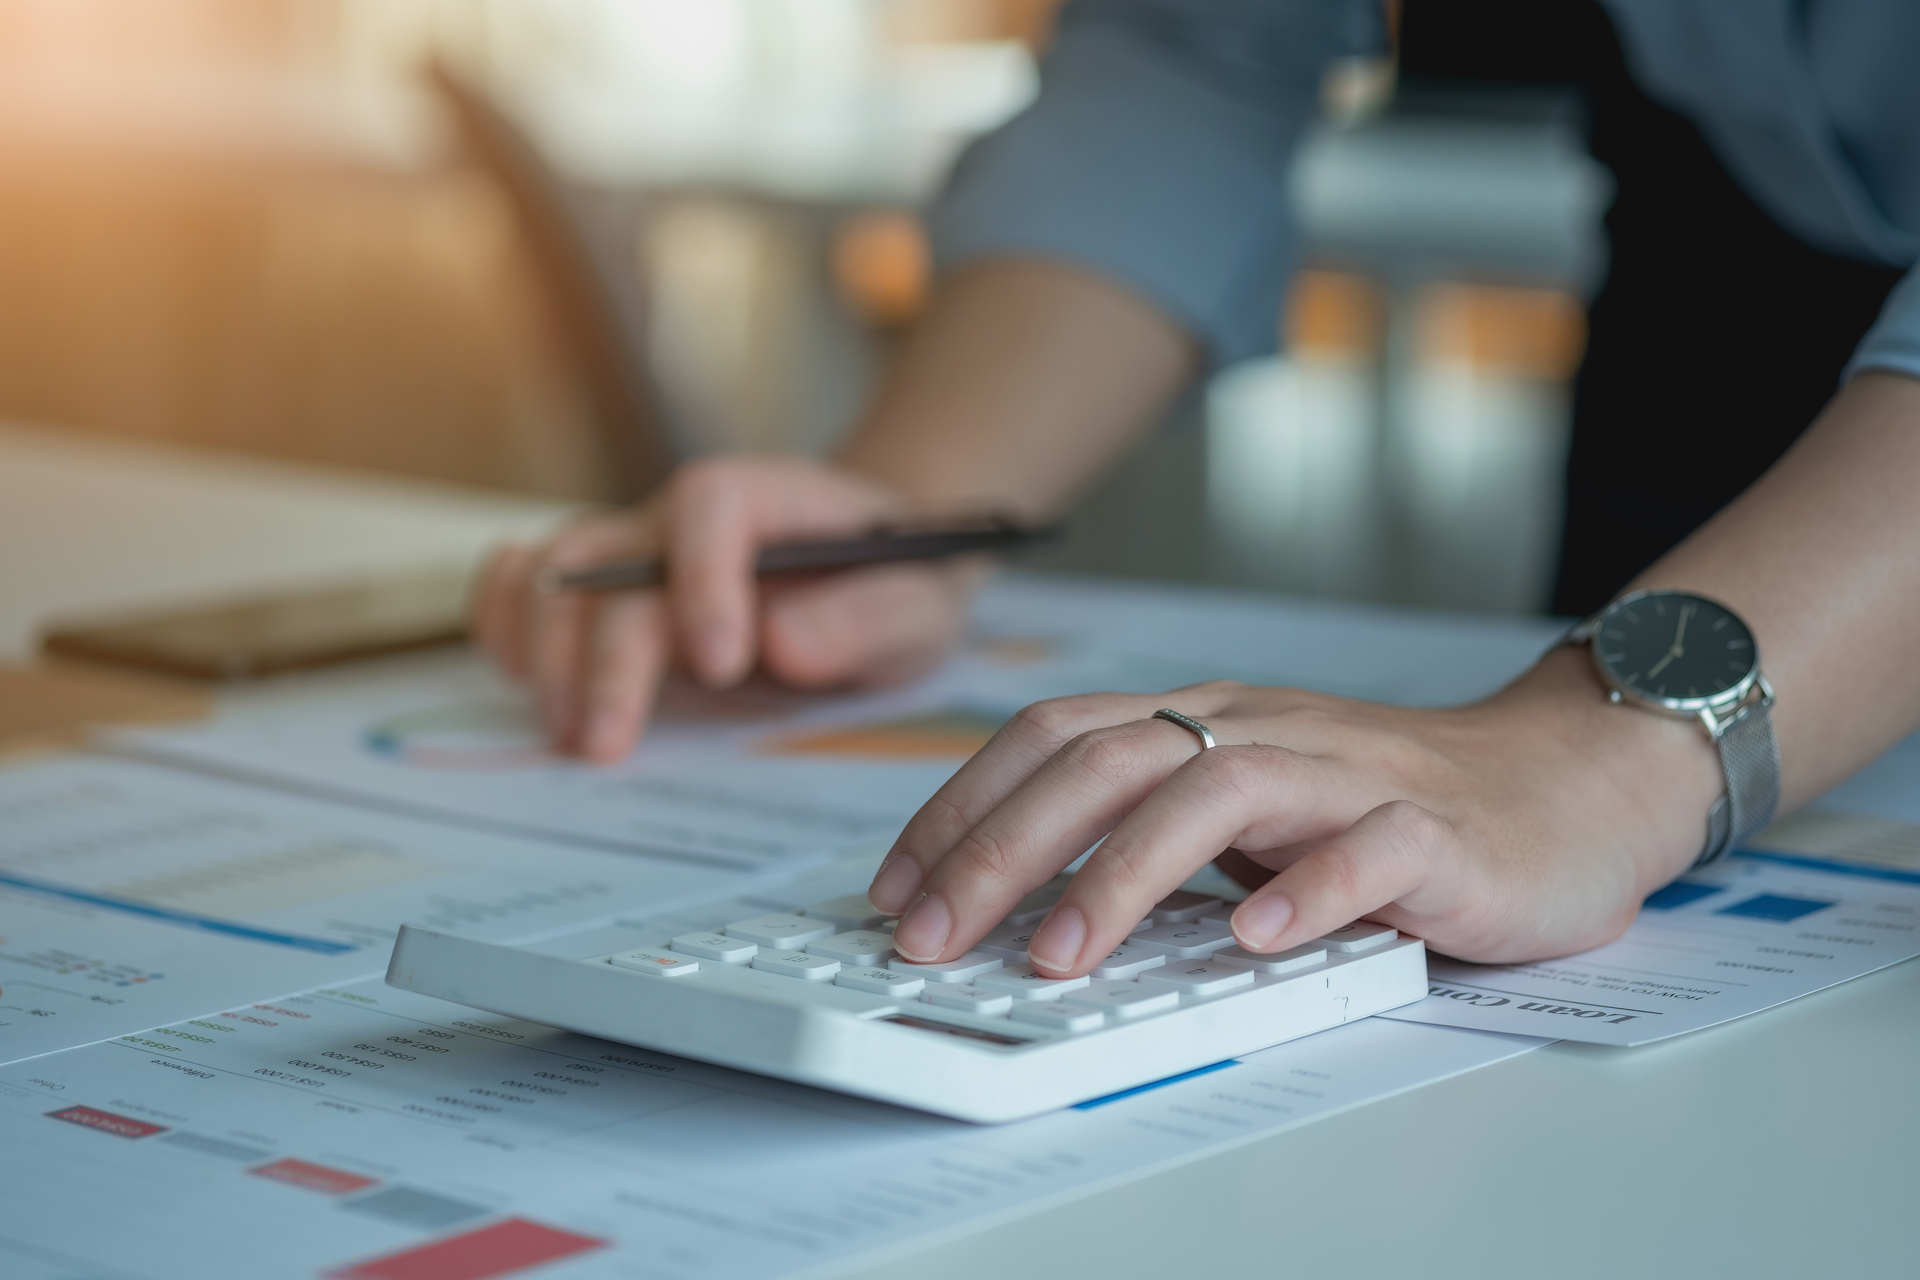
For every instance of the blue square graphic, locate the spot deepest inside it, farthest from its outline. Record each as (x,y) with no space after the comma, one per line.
(1774,906)
(1678,894)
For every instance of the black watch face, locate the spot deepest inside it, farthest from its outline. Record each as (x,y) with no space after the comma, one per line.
(1669,647)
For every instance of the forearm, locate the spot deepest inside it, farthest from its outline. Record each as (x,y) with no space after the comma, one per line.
(1822,559)
(1025,379)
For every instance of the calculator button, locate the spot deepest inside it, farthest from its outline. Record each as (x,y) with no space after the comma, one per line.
(785,931)
(1072,1018)
(1221,916)
(960,969)
(888,982)
(1361,935)
(862,946)
(649,960)
(1196,977)
(972,999)
(1182,907)
(1183,941)
(716,946)
(796,964)
(1291,960)
(1124,999)
(1033,908)
(1009,942)
(1024,982)
(1129,961)
(850,912)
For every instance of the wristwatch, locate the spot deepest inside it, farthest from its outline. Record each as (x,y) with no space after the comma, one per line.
(1688,656)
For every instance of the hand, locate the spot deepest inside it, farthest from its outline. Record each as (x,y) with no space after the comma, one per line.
(1526,826)
(595,660)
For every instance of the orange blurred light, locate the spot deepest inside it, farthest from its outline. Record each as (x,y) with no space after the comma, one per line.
(882,266)
(1334,314)
(1535,333)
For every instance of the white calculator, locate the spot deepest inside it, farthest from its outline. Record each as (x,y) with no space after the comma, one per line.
(814,992)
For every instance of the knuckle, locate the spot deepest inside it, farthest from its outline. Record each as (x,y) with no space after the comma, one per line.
(703,485)
(1051,721)
(942,809)
(1241,771)
(985,855)
(1108,754)
(1418,828)
(1344,872)
(1123,869)
(1312,723)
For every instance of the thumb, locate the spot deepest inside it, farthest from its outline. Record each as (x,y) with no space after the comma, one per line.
(869,626)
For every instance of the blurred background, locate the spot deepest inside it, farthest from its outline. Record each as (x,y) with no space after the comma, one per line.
(264,226)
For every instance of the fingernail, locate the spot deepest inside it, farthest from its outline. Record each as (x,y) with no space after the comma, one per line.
(1261,919)
(923,930)
(1058,943)
(895,884)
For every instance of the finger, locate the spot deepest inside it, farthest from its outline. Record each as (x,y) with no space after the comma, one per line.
(1388,854)
(1021,747)
(1070,802)
(499,606)
(713,537)
(721,512)
(1260,794)
(556,660)
(628,656)
(558,624)
(865,626)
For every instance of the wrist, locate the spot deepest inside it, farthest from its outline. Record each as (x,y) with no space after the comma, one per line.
(1639,781)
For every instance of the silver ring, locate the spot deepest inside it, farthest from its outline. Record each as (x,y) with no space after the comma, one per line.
(1188,723)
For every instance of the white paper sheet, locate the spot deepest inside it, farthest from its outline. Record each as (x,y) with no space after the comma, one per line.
(132,895)
(762,778)
(1743,935)
(363,1121)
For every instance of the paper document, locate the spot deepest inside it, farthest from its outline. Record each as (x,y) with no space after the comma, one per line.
(368,1132)
(1748,933)
(761,778)
(132,895)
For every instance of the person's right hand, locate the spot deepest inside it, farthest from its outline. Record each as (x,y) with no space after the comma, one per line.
(595,660)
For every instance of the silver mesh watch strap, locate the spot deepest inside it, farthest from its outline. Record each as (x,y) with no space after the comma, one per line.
(1751,759)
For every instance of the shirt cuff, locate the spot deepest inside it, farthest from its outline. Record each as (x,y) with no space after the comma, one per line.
(1893,344)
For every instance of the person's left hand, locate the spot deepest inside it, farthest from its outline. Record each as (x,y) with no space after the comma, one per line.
(1528,825)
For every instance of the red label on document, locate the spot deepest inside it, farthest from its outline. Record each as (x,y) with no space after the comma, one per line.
(314,1177)
(107,1122)
(499,1250)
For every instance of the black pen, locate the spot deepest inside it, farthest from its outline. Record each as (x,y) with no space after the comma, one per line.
(883,545)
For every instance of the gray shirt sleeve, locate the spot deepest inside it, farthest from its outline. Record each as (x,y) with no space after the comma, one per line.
(1156,155)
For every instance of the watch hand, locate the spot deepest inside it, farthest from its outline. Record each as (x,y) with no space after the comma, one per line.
(1655,669)
(1686,611)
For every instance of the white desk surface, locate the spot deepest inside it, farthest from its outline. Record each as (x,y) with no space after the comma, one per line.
(1786,1144)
